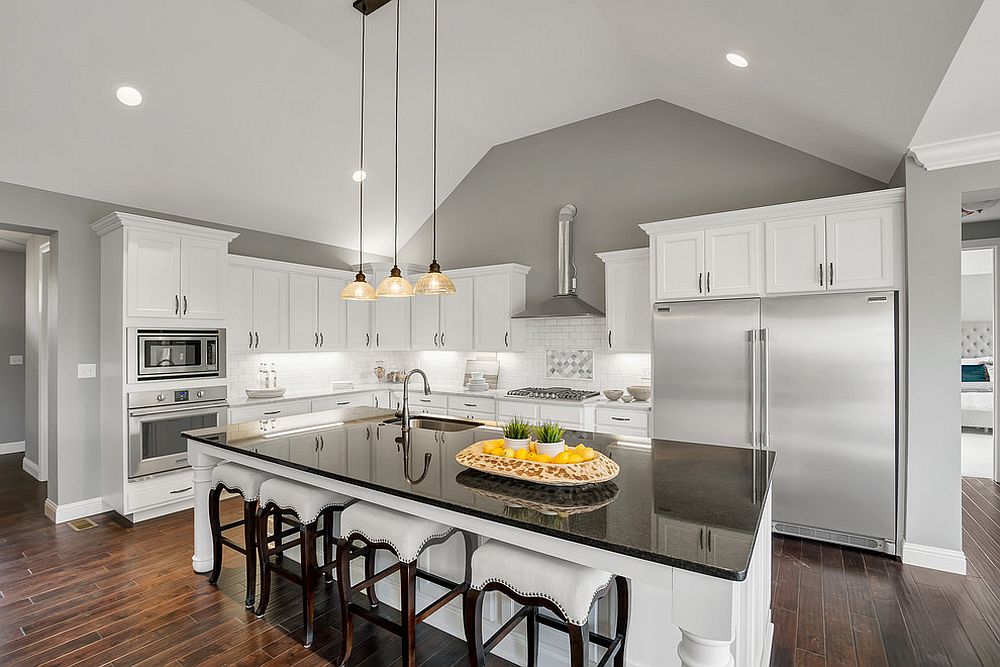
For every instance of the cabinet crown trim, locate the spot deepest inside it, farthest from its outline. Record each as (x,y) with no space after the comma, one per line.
(305,269)
(117,220)
(632,255)
(488,270)
(825,206)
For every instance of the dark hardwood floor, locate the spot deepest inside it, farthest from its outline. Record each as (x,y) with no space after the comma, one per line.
(127,596)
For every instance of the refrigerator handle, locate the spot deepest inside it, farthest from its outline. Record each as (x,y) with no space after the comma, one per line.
(765,389)
(752,338)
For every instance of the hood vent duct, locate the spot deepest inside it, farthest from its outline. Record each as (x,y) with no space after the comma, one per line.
(565,302)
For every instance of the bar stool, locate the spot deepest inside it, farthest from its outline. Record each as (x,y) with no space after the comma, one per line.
(300,505)
(245,481)
(540,581)
(406,537)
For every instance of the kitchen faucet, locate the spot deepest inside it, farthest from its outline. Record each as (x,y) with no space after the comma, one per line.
(404,414)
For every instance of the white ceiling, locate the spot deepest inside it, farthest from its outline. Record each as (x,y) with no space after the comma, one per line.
(250,111)
(967,103)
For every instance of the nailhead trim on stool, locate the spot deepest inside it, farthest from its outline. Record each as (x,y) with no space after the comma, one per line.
(405,533)
(306,501)
(240,479)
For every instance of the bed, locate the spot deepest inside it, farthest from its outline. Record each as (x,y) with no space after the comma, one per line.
(977,396)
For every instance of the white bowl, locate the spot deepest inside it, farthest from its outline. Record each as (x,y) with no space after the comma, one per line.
(640,392)
(613,394)
(274,392)
(550,448)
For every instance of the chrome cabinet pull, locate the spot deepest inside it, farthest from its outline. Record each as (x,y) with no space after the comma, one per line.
(831,274)
(322,443)
(256,339)
(710,540)
(442,339)
(377,342)
(322,340)
(752,337)
(343,403)
(315,339)
(821,274)
(701,539)
(435,340)
(471,405)
(376,400)
(173,493)
(708,282)
(368,432)
(699,282)
(609,339)
(621,419)
(368,340)
(177,305)
(251,339)
(765,398)
(185,304)
(270,413)
(315,443)
(506,338)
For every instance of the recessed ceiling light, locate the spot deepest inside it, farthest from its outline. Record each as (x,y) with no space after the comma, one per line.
(359,175)
(129,96)
(737,60)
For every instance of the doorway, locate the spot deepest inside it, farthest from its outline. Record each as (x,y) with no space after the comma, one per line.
(978,398)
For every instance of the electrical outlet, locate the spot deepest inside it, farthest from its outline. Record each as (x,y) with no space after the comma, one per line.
(16,360)
(86,371)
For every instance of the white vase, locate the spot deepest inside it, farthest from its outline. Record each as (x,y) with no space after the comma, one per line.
(550,448)
(516,443)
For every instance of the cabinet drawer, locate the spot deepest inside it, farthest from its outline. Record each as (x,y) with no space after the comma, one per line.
(419,400)
(633,419)
(255,412)
(567,415)
(470,404)
(342,401)
(464,413)
(508,409)
(161,490)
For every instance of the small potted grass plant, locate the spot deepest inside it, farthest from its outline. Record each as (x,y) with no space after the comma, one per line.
(549,437)
(516,434)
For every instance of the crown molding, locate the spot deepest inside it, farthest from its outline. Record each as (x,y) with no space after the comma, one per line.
(117,220)
(957,152)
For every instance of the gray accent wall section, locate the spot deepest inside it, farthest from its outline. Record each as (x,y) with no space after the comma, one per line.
(648,162)
(11,343)
(933,453)
(74,447)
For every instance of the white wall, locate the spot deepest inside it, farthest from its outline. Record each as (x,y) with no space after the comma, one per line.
(977,298)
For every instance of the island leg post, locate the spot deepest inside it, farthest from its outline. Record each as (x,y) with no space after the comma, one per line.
(201,466)
(706,611)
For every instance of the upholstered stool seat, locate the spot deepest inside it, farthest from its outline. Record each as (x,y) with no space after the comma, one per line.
(300,505)
(537,580)
(246,482)
(406,536)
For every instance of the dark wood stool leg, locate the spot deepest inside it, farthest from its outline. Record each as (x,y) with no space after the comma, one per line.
(250,544)
(472,614)
(307,550)
(579,643)
(373,601)
(408,611)
(621,619)
(265,561)
(344,588)
(532,636)
(328,542)
(216,526)
(279,556)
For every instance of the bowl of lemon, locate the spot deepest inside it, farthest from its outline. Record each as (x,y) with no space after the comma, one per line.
(571,465)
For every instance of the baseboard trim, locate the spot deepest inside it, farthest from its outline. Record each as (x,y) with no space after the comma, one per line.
(946,560)
(31,468)
(78,510)
(11,447)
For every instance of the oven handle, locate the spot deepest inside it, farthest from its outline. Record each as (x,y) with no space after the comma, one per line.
(159,410)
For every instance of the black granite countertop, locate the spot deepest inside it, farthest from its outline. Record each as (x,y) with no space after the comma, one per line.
(696,507)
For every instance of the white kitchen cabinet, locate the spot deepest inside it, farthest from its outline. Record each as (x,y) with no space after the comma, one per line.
(622,421)
(680,265)
(332,454)
(303,312)
(507,410)
(204,278)
(359,325)
(270,310)
(239,334)
(425,323)
(258,411)
(472,407)
(304,449)
(392,324)
(332,314)
(626,288)
(497,296)
(732,260)
(360,453)
(457,316)
(153,274)
(859,249)
(795,254)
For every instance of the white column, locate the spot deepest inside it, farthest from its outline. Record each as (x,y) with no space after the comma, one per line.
(706,611)
(201,465)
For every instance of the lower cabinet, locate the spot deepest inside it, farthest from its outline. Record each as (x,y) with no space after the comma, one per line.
(259,411)
(622,422)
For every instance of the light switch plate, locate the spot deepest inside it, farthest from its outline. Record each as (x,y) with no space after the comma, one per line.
(86,371)
(16,360)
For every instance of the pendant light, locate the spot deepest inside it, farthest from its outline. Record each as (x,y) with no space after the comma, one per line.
(360,290)
(395,285)
(434,282)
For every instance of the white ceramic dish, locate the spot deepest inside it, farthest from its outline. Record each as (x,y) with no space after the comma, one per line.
(276,392)
(640,392)
(550,448)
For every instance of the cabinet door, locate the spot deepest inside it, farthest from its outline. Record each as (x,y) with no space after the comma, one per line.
(333,451)
(240,332)
(303,315)
(457,316)
(270,310)
(304,449)
(680,539)
(332,315)
(732,261)
(795,255)
(859,249)
(360,450)
(392,323)
(153,278)
(425,323)
(627,304)
(204,278)
(680,265)
(359,325)
(491,322)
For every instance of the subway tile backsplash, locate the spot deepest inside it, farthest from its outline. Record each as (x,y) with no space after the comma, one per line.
(313,371)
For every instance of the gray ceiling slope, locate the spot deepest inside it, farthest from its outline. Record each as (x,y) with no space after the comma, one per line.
(250,111)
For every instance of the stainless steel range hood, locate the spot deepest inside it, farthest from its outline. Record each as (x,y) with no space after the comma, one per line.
(565,303)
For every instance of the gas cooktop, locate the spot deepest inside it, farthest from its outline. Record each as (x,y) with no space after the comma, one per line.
(553,393)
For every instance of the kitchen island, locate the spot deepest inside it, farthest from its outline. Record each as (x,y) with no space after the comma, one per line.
(687,524)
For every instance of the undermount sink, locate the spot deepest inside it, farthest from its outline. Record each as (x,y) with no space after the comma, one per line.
(438,424)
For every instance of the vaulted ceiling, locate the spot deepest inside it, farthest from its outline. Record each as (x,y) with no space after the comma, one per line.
(250,112)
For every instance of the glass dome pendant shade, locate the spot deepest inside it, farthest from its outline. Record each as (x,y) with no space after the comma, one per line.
(434,282)
(359,290)
(394,285)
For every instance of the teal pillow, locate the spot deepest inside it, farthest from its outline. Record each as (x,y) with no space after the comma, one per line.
(975,373)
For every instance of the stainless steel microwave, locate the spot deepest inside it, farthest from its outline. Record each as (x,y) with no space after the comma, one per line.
(168,354)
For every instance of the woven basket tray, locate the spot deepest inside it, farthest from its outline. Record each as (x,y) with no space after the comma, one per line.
(600,469)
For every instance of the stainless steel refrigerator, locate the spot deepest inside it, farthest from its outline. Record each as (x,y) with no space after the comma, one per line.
(812,378)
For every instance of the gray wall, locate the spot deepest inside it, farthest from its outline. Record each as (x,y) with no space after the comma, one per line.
(11,342)
(74,462)
(934,245)
(977,298)
(649,162)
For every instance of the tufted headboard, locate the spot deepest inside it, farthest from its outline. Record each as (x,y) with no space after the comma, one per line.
(977,339)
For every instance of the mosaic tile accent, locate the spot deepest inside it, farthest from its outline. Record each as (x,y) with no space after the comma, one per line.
(569,364)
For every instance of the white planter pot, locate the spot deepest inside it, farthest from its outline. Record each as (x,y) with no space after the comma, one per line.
(516,444)
(550,448)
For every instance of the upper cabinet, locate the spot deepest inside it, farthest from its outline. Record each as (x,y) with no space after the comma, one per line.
(626,288)
(171,271)
(498,294)
(444,322)
(853,242)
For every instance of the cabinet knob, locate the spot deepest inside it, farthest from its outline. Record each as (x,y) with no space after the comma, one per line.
(200,393)
(160,398)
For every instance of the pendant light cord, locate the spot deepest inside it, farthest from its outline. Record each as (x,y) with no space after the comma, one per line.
(395,197)
(361,156)
(434,149)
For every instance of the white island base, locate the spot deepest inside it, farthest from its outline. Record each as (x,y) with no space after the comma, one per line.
(678,617)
